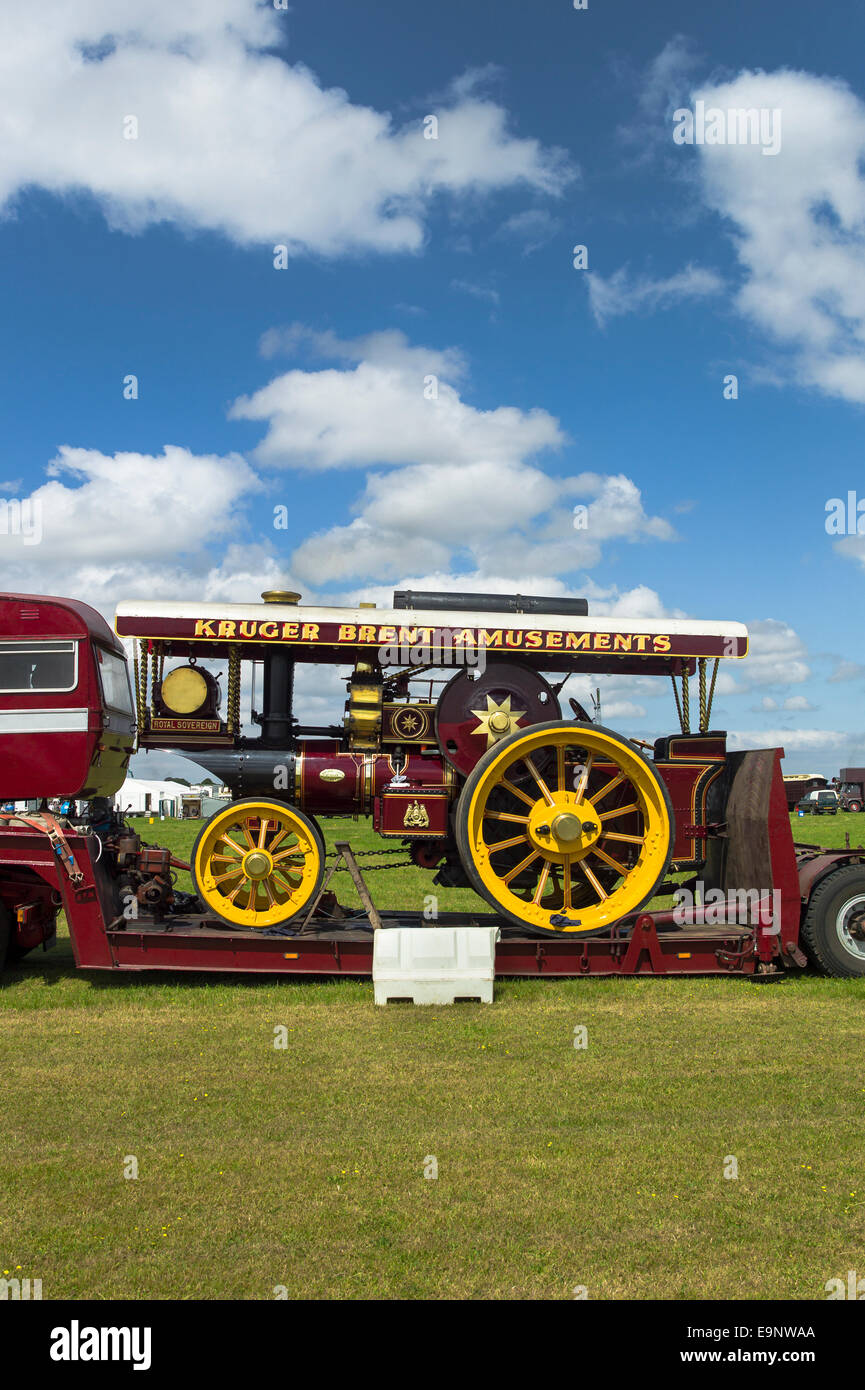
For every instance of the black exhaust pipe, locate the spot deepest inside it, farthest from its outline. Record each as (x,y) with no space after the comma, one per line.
(489,603)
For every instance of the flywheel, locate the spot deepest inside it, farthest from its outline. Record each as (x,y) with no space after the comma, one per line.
(472,715)
(565,828)
(258,863)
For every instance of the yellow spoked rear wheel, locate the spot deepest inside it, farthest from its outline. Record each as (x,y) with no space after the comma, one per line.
(565,828)
(258,863)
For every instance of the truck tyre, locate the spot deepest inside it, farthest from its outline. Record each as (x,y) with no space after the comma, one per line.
(854,806)
(833,929)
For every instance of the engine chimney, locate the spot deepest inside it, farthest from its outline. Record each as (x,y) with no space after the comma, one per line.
(276,715)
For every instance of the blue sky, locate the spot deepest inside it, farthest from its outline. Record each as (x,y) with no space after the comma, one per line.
(453,258)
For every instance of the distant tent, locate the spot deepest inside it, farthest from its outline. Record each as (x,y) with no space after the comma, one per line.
(141,797)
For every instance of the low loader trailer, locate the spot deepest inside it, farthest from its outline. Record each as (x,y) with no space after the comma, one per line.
(593,853)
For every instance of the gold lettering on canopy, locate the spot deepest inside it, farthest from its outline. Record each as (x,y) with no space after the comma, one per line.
(352,634)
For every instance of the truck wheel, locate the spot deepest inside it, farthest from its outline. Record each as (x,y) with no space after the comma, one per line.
(855,806)
(833,930)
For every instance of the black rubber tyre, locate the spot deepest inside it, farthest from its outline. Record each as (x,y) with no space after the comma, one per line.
(855,806)
(821,927)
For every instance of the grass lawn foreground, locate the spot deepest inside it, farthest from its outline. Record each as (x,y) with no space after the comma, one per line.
(306,1168)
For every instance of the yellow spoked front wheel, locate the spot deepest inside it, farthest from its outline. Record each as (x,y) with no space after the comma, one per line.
(258,863)
(565,828)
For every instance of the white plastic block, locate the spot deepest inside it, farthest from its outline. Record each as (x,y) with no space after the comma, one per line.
(434,965)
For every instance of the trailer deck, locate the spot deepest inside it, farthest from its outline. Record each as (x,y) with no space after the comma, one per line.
(339,941)
(198,944)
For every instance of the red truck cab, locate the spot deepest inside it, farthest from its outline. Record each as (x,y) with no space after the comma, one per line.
(67,717)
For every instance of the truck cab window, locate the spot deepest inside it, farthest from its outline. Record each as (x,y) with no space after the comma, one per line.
(115,680)
(38,666)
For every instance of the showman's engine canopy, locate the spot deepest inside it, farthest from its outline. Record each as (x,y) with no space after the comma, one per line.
(453,740)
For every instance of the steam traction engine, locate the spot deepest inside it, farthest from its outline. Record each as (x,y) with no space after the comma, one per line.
(454,741)
(563,826)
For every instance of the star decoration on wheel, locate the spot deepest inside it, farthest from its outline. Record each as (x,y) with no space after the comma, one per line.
(497,721)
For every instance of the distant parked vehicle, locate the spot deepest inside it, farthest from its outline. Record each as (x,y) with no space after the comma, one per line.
(797,785)
(819,804)
(851,788)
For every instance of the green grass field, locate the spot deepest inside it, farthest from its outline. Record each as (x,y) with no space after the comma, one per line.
(304,1167)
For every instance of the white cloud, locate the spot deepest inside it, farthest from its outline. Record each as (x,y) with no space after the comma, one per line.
(616,709)
(230,137)
(795,704)
(357,551)
(660,87)
(798,222)
(383,411)
(639,602)
(461,478)
(455,501)
(388,348)
(623,293)
(129,524)
(450,581)
(512,519)
(463,501)
(791,740)
(852,548)
(97,507)
(533,228)
(776,656)
(667,77)
(616,508)
(485,292)
(846,671)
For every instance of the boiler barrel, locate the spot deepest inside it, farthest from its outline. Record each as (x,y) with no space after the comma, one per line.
(319,775)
